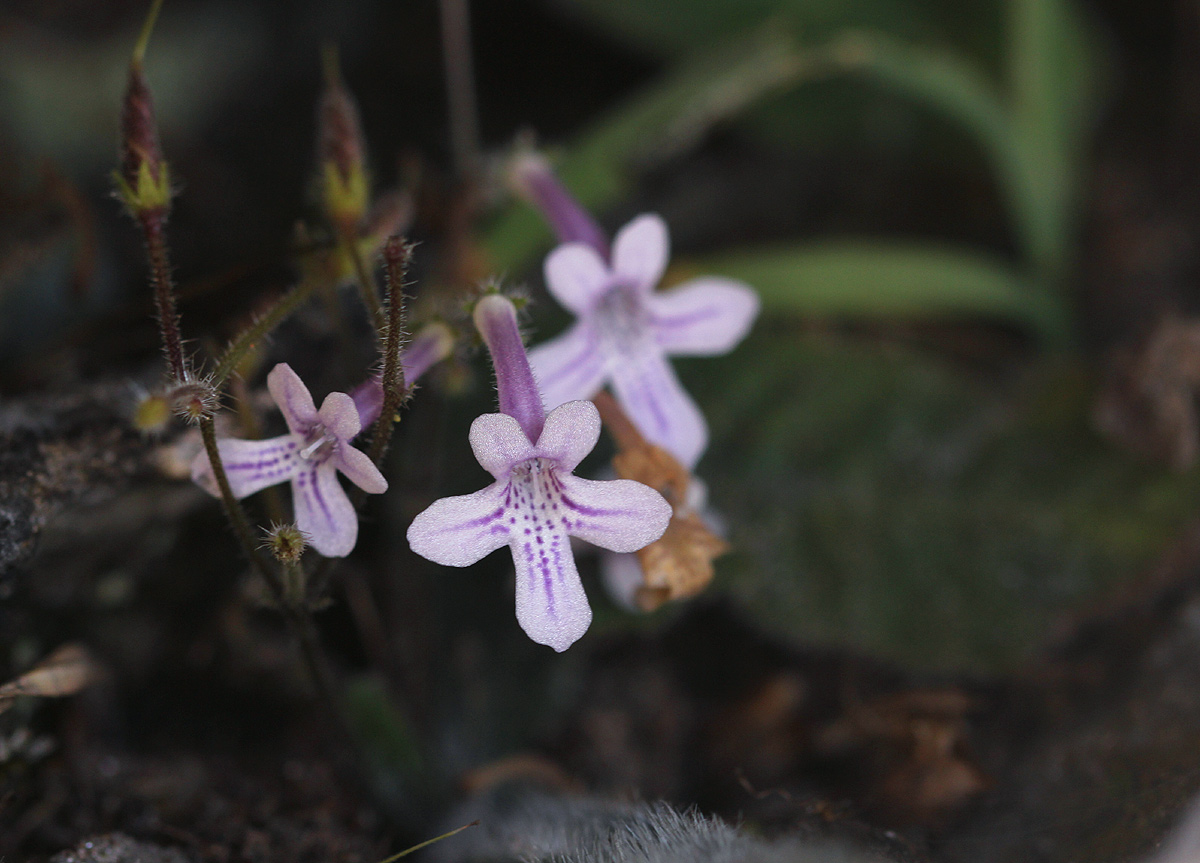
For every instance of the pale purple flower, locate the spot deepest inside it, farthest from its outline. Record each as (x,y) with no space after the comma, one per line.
(310,455)
(536,503)
(625,330)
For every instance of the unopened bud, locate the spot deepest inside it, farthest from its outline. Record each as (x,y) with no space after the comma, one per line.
(340,152)
(143,182)
(286,542)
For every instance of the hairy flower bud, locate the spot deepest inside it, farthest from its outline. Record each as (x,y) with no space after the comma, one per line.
(286,542)
(143,183)
(341,152)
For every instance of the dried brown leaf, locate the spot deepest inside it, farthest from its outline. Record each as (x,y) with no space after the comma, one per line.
(63,672)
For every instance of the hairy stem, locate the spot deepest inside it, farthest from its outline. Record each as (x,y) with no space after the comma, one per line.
(297,614)
(153,225)
(396,255)
(262,327)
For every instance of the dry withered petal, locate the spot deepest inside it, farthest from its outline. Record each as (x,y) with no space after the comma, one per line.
(63,672)
(680,563)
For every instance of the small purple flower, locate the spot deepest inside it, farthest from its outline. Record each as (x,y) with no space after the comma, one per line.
(625,330)
(535,504)
(315,448)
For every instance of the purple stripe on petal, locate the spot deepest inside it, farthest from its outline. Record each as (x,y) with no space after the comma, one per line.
(551,605)
(324,512)
(569,367)
(251,465)
(646,386)
(620,515)
(705,316)
(457,531)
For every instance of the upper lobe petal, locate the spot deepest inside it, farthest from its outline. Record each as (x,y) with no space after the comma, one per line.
(339,415)
(293,398)
(359,469)
(576,276)
(457,531)
(570,433)
(640,251)
(703,316)
(499,442)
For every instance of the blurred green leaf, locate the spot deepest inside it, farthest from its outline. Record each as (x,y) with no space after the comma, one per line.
(867,278)
(1053,89)
(880,497)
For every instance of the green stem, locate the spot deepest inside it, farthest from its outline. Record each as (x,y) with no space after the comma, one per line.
(257,331)
(297,614)
(366,284)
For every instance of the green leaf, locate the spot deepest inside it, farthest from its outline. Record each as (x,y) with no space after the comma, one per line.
(876,279)
(881,497)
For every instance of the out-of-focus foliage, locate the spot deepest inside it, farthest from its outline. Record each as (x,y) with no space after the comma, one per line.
(869,279)
(1025,100)
(886,500)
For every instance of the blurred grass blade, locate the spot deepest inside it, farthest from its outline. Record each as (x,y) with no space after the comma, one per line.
(960,91)
(654,126)
(877,279)
(64,672)
(1053,79)
(429,842)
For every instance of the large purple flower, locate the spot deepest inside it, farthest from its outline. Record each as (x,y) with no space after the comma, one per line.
(315,448)
(625,331)
(536,503)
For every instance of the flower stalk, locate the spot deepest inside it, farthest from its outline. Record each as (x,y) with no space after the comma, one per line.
(397,255)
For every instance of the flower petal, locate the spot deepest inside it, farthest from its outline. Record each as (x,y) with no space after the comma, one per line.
(457,531)
(359,469)
(576,275)
(339,416)
(569,367)
(640,251)
(251,465)
(551,605)
(645,385)
(570,433)
(499,442)
(704,316)
(293,398)
(621,575)
(323,511)
(617,514)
